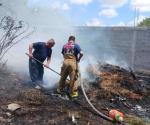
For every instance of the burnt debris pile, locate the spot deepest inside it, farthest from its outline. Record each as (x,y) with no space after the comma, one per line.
(119,81)
(113,87)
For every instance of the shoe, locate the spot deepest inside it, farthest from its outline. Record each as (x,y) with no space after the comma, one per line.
(64,96)
(74,94)
(38,87)
(58,91)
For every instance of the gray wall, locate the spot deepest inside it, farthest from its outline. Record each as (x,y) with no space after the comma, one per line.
(127,44)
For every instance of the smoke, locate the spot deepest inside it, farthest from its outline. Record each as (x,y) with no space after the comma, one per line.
(100,46)
(51,23)
(48,23)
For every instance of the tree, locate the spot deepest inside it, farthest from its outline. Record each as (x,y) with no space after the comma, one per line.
(145,22)
(12,32)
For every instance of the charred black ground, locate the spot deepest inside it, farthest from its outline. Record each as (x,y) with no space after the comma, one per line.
(108,87)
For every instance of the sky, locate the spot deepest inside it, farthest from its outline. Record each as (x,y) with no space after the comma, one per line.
(90,12)
(55,18)
(98,12)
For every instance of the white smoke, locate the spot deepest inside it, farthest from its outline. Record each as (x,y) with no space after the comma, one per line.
(50,23)
(98,46)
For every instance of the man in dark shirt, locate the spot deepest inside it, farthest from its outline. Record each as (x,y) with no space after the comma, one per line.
(72,54)
(41,51)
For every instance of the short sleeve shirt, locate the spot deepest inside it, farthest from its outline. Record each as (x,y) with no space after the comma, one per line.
(71,49)
(41,51)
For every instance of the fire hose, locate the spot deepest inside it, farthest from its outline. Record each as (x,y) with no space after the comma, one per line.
(84,93)
(92,106)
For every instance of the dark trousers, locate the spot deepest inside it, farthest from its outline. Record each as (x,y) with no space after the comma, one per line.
(36,70)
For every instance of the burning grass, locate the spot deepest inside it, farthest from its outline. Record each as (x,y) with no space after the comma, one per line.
(116,80)
(120,89)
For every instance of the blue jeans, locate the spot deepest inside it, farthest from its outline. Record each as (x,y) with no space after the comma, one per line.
(36,70)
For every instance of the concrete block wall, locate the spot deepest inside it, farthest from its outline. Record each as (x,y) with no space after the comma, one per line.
(128,44)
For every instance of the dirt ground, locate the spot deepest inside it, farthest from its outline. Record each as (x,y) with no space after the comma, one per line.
(121,89)
(44,108)
(40,107)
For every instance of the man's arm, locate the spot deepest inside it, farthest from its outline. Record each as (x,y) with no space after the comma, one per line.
(80,56)
(48,62)
(62,50)
(30,49)
(80,52)
(48,59)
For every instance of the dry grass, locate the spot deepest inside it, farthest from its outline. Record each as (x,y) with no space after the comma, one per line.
(33,96)
(133,120)
(112,82)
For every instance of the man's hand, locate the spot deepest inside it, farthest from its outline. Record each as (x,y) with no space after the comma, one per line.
(30,55)
(46,65)
(78,60)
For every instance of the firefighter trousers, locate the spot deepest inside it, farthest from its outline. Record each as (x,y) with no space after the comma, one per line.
(69,68)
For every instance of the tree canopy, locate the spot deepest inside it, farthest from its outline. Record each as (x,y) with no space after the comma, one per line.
(145,22)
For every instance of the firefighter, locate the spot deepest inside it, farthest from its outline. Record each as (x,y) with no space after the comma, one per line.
(42,50)
(72,54)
